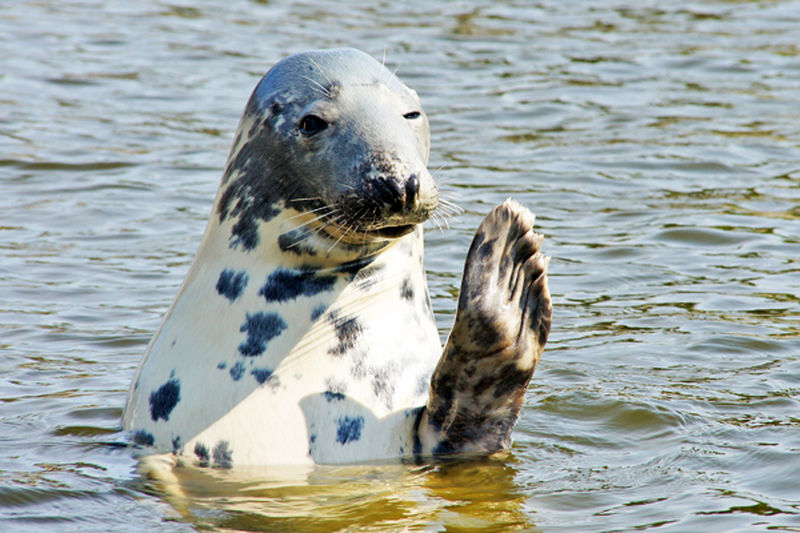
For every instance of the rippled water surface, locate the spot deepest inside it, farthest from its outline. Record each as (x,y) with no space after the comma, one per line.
(657,142)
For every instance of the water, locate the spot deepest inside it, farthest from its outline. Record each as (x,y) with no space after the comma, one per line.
(658,144)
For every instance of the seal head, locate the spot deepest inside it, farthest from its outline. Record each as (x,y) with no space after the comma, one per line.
(336,134)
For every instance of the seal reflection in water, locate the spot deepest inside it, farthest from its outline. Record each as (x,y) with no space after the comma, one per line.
(303,332)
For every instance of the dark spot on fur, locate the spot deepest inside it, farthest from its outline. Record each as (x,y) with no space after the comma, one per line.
(367,277)
(383,386)
(358,370)
(486,249)
(176,445)
(225,201)
(231,284)
(245,232)
(472,427)
(201,452)
(444,447)
(336,387)
(287,284)
(484,383)
(261,374)
(311,439)
(489,336)
(443,387)
(248,197)
(427,307)
(480,236)
(353,267)
(164,400)
(143,438)
(473,267)
(347,331)
(261,328)
(511,378)
(237,371)
(505,264)
(407,290)
(222,365)
(349,429)
(541,320)
(417,447)
(470,370)
(223,455)
(333,396)
(293,242)
(318,311)
(423,383)
(333,89)
(255,127)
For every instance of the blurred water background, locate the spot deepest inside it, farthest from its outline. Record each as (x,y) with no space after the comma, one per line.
(657,142)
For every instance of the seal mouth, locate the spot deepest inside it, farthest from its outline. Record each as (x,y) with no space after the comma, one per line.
(393,232)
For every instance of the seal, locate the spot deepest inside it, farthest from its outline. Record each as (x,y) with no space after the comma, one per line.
(303,332)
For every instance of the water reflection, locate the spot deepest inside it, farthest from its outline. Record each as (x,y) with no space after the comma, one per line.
(457,496)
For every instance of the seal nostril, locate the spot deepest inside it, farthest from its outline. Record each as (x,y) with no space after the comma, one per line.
(412,189)
(391,193)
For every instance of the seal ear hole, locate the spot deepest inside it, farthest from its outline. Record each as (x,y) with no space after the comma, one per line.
(412,115)
(311,125)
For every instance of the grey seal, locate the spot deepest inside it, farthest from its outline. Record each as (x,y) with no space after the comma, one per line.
(303,332)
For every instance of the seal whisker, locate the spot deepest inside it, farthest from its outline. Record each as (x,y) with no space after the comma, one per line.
(310,211)
(321,231)
(313,231)
(437,222)
(448,208)
(351,223)
(442,180)
(321,70)
(307,198)
(315,84)
(442,215)
(341,236)
(311,221)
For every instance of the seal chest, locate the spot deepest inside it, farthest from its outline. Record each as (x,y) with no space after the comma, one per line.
(303,331)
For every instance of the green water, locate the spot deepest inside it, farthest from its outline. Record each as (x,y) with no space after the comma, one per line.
(657,142)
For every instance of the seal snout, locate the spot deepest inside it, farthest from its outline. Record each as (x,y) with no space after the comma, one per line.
(393,192)
(399,196)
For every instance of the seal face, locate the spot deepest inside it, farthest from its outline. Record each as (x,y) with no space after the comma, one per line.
(304,331)
(339,136)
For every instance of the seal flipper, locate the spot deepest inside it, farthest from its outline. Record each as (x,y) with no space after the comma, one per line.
(501,327)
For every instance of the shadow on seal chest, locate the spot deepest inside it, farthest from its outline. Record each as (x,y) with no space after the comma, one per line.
(303,332)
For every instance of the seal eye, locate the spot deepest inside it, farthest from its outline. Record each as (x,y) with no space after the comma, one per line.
(412,115)
(311,125)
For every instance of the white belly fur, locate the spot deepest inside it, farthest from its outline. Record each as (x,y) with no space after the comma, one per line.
(371,389)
